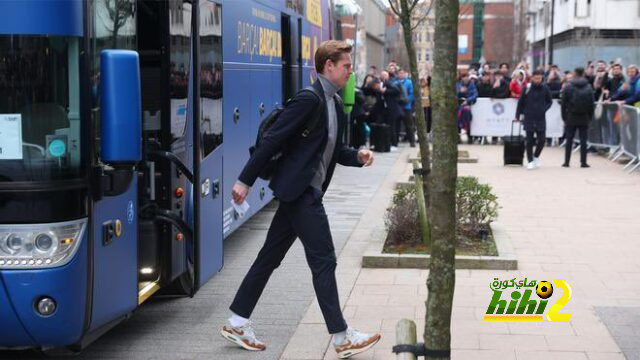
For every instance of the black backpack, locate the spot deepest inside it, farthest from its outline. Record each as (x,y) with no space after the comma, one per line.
(268,122)
(581,99)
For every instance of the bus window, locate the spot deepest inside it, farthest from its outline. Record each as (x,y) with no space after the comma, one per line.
(179,64)
(39,108)
(210,76)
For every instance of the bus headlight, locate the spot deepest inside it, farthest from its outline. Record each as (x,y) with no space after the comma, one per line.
(39,246)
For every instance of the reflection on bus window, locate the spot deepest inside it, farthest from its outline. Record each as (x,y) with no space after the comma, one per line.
(210,76)
(180,37)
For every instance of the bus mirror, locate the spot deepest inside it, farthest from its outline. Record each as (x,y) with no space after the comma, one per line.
(121,124)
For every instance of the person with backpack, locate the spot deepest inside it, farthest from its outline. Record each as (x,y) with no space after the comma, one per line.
(533,104)
(577,111)
(406,98)
(308,158)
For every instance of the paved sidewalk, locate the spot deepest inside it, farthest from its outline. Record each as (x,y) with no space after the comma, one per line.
(576,224)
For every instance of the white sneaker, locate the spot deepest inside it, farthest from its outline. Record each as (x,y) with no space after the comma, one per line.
(394,148)
(536,161)
(531,165)
(243,336)
(356,342)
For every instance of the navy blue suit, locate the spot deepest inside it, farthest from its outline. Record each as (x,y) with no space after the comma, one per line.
(300,213)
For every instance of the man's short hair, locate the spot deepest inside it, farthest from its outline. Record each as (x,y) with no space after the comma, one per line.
(579,71)
(504,64)
(330,50)
(538,72)
(617,65)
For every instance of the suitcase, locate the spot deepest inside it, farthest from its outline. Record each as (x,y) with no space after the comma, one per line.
(514,147)
(381,137)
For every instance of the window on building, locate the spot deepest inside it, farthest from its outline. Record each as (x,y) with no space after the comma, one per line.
(419,55)
(426,56)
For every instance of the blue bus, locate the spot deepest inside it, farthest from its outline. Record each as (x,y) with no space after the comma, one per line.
(123,126)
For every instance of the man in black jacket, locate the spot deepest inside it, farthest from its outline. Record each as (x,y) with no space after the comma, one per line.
(533,104)
(301,177)
(577,111)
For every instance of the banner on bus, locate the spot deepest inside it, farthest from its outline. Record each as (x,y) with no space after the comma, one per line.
(492,117)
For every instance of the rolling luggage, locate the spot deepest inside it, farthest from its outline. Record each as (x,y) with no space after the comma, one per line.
(381,137)
(514,147)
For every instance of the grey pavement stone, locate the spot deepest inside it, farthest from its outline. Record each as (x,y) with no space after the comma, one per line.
(184,328)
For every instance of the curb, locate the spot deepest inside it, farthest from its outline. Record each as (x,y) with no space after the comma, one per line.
(504,261)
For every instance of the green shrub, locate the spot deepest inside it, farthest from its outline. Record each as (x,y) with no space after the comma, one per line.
(476,208)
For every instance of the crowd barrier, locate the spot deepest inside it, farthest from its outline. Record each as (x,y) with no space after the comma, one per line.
(493,117)
(614,127)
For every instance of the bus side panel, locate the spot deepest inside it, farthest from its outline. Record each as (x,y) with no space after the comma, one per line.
(237,136)
(67,285)
(115,280)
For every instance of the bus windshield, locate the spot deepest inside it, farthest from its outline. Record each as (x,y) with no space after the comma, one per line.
(39,108)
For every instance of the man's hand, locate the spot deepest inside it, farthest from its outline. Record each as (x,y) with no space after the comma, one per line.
(239,193)
(365,157)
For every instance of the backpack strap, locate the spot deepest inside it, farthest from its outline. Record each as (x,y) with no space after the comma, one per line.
(313,121)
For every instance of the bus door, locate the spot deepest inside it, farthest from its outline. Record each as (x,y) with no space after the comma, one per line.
(208,143)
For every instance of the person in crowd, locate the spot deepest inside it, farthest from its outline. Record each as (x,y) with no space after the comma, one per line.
(554,82)
(358,118)
(486,68)
(299,182)
(407,116)
(577,111)
(518,83)
(425,89)
(506,72)
(614,82)
(485,86)
(373,71)
(500,89)
(533,105)
(467,95)
(393,110)
(590,72)
(630,91)
(600,80)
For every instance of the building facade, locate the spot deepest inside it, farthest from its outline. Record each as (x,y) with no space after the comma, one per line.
(583,30)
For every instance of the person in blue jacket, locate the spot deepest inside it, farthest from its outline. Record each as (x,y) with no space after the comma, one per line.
(467,95)
(407,116)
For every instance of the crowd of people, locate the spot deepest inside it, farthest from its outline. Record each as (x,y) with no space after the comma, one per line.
(386,97)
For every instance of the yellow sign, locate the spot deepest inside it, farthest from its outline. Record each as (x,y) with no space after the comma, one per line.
(314,12)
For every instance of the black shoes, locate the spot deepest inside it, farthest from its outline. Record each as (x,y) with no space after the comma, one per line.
(585,165)
(565,165)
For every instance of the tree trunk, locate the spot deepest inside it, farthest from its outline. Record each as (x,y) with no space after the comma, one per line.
(421,126)
(441,281)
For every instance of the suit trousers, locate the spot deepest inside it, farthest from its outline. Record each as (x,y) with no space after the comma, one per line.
(540,138)
(305,218)
(570,132)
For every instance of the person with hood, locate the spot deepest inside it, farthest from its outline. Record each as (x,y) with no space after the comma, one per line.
(577,111)
(518,83)
(533,104)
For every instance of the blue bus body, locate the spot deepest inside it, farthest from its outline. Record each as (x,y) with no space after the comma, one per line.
(88,232)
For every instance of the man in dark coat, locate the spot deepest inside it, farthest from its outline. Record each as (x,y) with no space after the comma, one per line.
(299,182)
(577,111)
(533,104)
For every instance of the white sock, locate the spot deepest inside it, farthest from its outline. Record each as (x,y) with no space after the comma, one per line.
(338,338)
(237,320)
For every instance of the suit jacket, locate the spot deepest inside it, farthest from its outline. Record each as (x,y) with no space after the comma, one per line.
(300,155)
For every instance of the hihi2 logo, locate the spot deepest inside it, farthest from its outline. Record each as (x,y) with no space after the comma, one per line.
(522,305)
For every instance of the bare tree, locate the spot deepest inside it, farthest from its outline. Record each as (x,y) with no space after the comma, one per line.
(441,281)
(440,185)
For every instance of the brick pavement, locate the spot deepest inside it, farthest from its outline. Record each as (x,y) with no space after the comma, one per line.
(577,224)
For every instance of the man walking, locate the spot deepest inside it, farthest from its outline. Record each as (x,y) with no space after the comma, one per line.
(301,177)
(577,111)
(533,104)
(407,116)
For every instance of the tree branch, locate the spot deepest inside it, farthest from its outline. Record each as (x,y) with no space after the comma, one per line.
(394,8)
